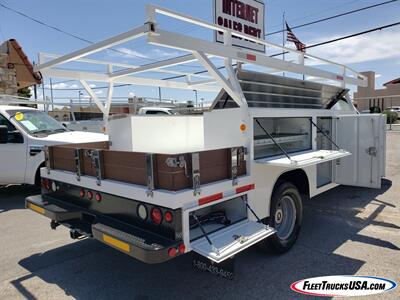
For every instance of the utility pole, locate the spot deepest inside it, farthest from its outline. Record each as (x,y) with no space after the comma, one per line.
(35,87)
(195,92)
(159,94)
(51,94)
(79,100)
(44,98)
(283,37)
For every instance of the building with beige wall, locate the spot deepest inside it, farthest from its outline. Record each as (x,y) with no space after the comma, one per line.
(385,97)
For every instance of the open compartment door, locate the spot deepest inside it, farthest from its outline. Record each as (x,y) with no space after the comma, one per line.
(227,242)
(364,136)
(304,159)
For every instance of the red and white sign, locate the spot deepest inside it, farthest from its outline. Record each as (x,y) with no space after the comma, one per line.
(244,16)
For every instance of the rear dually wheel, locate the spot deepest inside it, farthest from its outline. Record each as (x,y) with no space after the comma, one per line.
(285,217)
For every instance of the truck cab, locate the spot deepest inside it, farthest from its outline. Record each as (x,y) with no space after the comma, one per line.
(23,134)
(155,111)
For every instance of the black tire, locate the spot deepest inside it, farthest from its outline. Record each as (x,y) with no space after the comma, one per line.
(38,179)
(288,196)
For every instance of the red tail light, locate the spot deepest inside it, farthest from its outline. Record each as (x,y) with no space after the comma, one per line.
(98,197)
(171,252)
(46,184)
(156,216)
(90,195)
(182,248)
(82,193)
(168,217)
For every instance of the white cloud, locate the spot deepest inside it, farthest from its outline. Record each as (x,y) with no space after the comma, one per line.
(163,53)
(151,54)
(62,85)
(127,53)
(92,85)
(369,47)
(131,94)
(57,86)
(378,75)
(98,92)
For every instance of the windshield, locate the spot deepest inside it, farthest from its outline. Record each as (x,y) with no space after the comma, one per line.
(36,122)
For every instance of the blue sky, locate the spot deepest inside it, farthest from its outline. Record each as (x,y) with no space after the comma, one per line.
(99,19)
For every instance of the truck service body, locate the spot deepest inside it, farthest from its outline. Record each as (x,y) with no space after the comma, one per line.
(219,182)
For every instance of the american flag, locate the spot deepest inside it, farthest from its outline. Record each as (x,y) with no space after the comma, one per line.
(290,37)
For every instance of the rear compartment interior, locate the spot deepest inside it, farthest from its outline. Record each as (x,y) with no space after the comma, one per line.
(216,217)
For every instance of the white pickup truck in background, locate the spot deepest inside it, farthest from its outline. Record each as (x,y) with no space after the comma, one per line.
(23,134)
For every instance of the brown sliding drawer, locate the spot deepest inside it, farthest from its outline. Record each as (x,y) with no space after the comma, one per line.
(171,172)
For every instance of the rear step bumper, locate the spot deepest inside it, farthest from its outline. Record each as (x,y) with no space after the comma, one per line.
(134,241)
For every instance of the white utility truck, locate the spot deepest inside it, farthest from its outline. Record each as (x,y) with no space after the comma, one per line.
(218,182)
(24,132)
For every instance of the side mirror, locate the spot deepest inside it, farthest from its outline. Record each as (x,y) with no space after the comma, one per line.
(3,134)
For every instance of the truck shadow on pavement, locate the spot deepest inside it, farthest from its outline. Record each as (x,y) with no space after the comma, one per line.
(88,269)
(13,196)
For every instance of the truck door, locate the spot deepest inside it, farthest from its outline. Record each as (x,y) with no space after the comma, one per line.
(365,137)
(12,155)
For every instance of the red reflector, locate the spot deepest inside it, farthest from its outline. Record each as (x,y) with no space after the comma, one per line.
(156,216)
(90,195)
(245,188)
(181,248)
(251,57)
(98,197)
(211,198)
(338,77)
(171,252)
(168,216)
(82,193)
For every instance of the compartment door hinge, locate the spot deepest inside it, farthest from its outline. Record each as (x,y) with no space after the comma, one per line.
(150,174)
(196,173)
(47,163)
(237,156)
(78,167)
(96,162)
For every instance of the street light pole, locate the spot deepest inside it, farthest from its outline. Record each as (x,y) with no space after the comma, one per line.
(195,92)
(79,101)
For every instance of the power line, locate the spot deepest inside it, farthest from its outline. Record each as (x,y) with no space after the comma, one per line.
(312,46)
(331,8)
(334,17)
(344,37)
(200,72)
(281,53)
(76,36)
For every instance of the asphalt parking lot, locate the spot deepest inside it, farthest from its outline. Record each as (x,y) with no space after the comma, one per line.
(345,231)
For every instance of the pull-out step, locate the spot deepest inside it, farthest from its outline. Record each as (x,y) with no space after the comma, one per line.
(304,159)
(51,210)
(232,240)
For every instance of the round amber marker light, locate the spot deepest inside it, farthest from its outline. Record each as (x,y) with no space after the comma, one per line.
(243,127)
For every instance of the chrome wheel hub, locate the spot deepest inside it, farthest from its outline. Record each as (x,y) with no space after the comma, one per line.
(285,217)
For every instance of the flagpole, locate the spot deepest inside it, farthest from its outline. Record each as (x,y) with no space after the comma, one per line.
(283,37)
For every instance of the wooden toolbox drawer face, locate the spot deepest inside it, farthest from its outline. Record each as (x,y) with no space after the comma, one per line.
(62,158)
(125,166)
(131,167)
